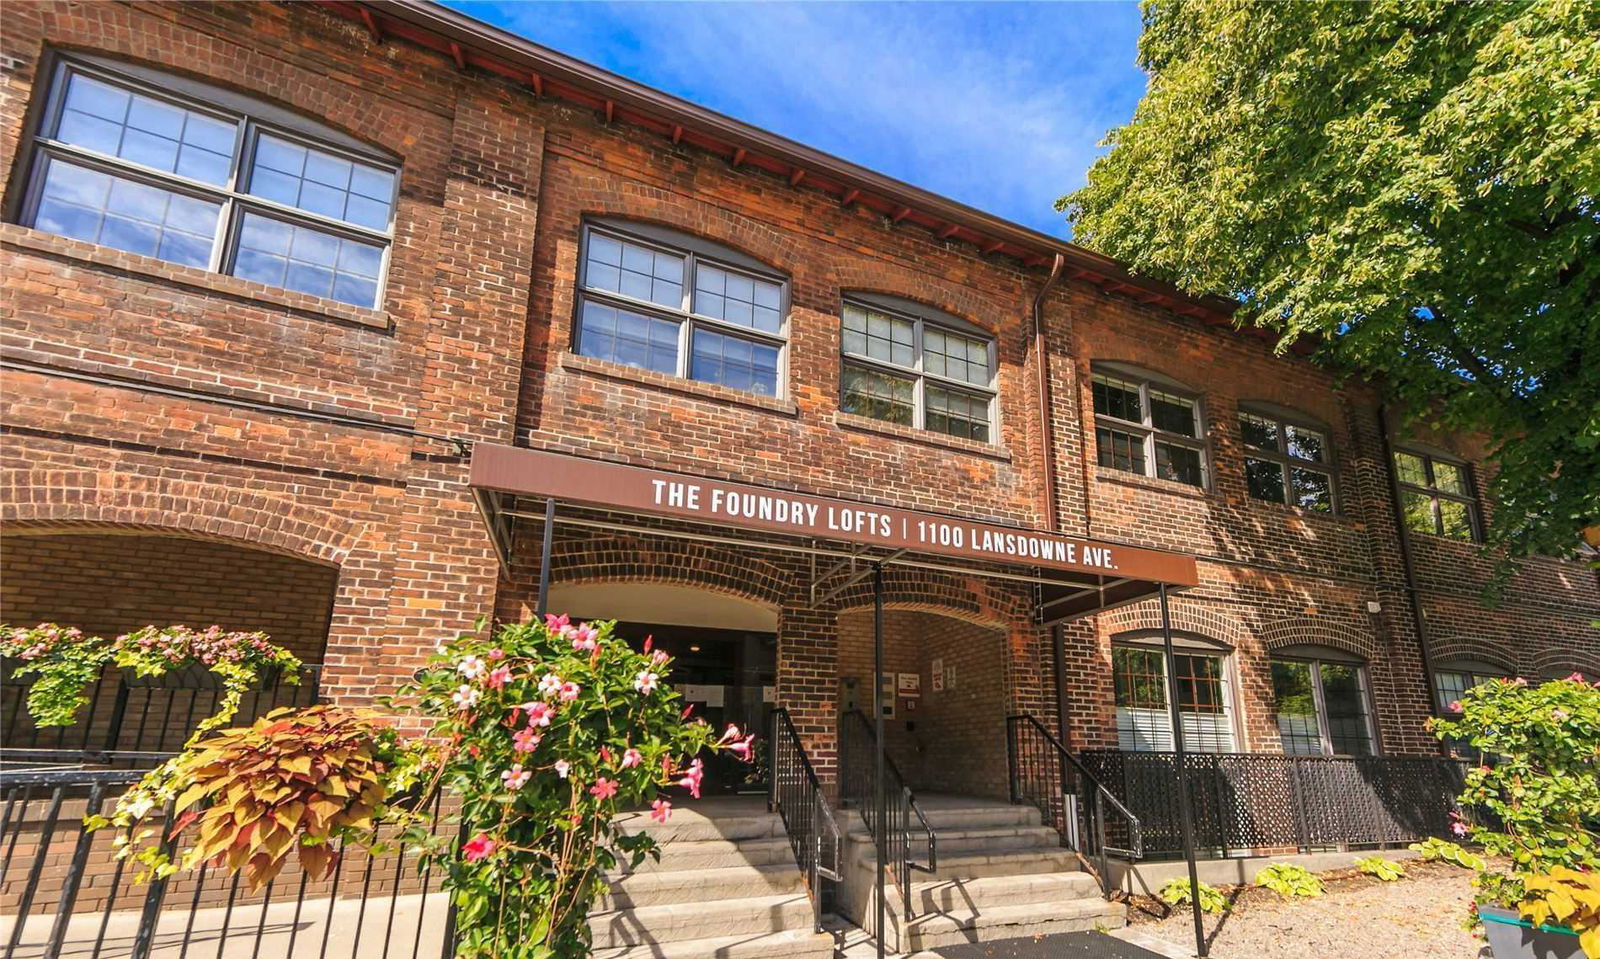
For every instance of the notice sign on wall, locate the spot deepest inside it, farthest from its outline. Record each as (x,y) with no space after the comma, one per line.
(909,685)
(936,675)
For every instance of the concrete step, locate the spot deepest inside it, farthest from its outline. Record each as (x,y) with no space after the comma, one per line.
(791,944)
(960,842)
(688,824)
(1046,889)
(1012,862)
(975,816)
(693,854)
(676,922)
(662,886)
(989,923)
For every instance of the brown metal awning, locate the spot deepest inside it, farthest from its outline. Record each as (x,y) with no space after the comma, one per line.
(1073,576)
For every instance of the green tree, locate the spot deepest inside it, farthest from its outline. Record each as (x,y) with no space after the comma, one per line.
(1411,185)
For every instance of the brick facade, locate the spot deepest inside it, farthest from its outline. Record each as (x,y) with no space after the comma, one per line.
(163,401)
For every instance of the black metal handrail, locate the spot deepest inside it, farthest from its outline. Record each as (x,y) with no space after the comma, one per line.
(1248,801)
(857,788)
(795,794)
(1045,773)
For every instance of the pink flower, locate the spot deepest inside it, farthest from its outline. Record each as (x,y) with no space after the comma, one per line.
(499,677)
(1519,681)
(585,637)
(570,691)
(1455,706)
(516,777)
(649,641)
(660,810)
(729,735)
(471,667)
(742,747)
(691,780)
(497,654)
(557,624)
(603,788)
(1576,678)
(645,682)
(525,740)
(465,697)
(539,713)
(658,657)
(562,768)
(549,685)
(479,847)
(631,758)
(1459,828)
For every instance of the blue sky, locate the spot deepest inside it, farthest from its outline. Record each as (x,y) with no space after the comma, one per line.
(999,105)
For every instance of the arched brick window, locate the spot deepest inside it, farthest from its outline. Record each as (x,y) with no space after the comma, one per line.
(1321,701)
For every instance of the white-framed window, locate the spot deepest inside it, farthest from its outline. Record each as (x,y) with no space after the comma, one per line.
(654,300)
(1287,462)
(910,365)
(1321,701)
(1144,697)
(1146,425)
(1436,495)
(169,168)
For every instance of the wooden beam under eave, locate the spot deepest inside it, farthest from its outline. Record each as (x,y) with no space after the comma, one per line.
(949,231)
(677,134)
(993,246)
(372,24)
(611,110)
(459,54)
(900,214)
(850,196)
(738,155)
(537,82)
(796,176)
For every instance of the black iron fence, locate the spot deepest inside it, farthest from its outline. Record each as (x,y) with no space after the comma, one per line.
(1248,802)
(1090,818)
(63,892)
(131,720)
(795,793)
(858,781)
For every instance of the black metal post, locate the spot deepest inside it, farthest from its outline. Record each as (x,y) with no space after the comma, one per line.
(1185,814)
(543,605)
(879,800)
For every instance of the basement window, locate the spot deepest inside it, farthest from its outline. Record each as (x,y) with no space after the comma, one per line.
(1319,698)
(656,300)
(912,365)
(165,167)
(1144,697)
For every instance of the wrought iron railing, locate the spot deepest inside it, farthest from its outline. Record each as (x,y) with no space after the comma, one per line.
(795,794)
(132,720)
(63,892)
(1246,802)
(858,789)
(1091,819)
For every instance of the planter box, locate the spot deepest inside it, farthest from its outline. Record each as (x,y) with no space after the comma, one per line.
(1512,937)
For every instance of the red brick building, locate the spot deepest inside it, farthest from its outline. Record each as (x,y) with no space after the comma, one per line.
(273,271)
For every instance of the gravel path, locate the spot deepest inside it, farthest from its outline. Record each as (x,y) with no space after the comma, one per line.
(1418,917)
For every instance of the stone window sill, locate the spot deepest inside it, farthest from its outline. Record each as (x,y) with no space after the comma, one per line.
(867,424)
(590,366)
(24,238)
(1120,478)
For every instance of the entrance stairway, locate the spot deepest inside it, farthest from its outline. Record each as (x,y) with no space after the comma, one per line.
(1001,874)
(726,887)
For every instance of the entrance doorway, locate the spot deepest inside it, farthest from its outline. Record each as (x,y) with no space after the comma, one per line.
(729,676)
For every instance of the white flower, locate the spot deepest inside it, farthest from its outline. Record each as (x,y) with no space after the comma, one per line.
(549,685)
(465,697)
(645,682)
(562,768)
(472,667)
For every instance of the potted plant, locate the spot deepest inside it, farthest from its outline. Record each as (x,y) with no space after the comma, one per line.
(1539,784)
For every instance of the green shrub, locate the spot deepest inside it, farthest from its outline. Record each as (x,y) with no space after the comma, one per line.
(1385,869)
(1289,881)
(1443,850)
(1176,893)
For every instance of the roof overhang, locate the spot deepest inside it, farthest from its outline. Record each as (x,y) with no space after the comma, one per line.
(1072,576)
(470,43)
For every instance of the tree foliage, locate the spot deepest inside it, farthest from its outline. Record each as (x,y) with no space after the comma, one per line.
(1413,185)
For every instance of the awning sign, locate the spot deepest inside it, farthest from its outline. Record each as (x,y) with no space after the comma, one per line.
(573,479)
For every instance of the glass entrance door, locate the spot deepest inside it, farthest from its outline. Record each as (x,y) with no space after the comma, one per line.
(730,677)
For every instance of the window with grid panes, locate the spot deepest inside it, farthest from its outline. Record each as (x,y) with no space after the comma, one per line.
(1321,707)
(904,368)
(181,172)
(1147,428)
(680,311)
(1286,463)
(1435,496)
(1204,700)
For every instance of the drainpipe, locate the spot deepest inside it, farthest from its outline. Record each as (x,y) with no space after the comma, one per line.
(1407,564)
(1041,357)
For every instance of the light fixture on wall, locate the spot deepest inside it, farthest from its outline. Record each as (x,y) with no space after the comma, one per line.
(693,648)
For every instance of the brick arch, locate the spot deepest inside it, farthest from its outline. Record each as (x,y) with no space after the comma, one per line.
(971,599)
(638,559)
(1198,618)
(626,200)
(1558,663)
(1444,651)
(1309,631)
(1143,363)
(177,508)
(977,309)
